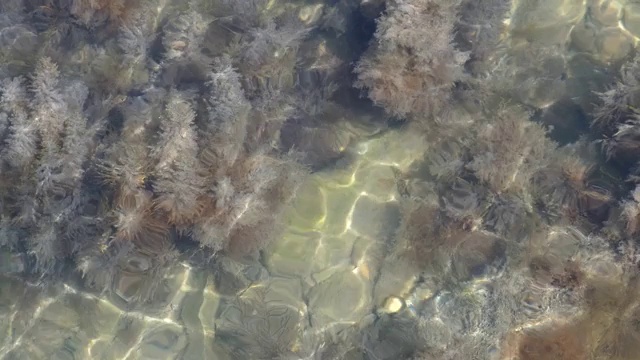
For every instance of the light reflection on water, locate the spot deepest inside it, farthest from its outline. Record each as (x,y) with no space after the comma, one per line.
(337,284)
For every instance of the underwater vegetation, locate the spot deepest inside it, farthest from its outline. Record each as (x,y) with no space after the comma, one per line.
(138,137)
(616,117)
(413,73)
(406,71)
(152,136)
(551,211)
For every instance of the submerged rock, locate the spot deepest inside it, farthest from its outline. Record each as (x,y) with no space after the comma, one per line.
(342,299)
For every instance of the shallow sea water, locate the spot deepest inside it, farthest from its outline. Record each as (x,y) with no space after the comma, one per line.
(336,270)
(320,276)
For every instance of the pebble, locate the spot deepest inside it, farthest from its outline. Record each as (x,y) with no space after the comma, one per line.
(614,44)
(310,14)
(392,305)
(605,12)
